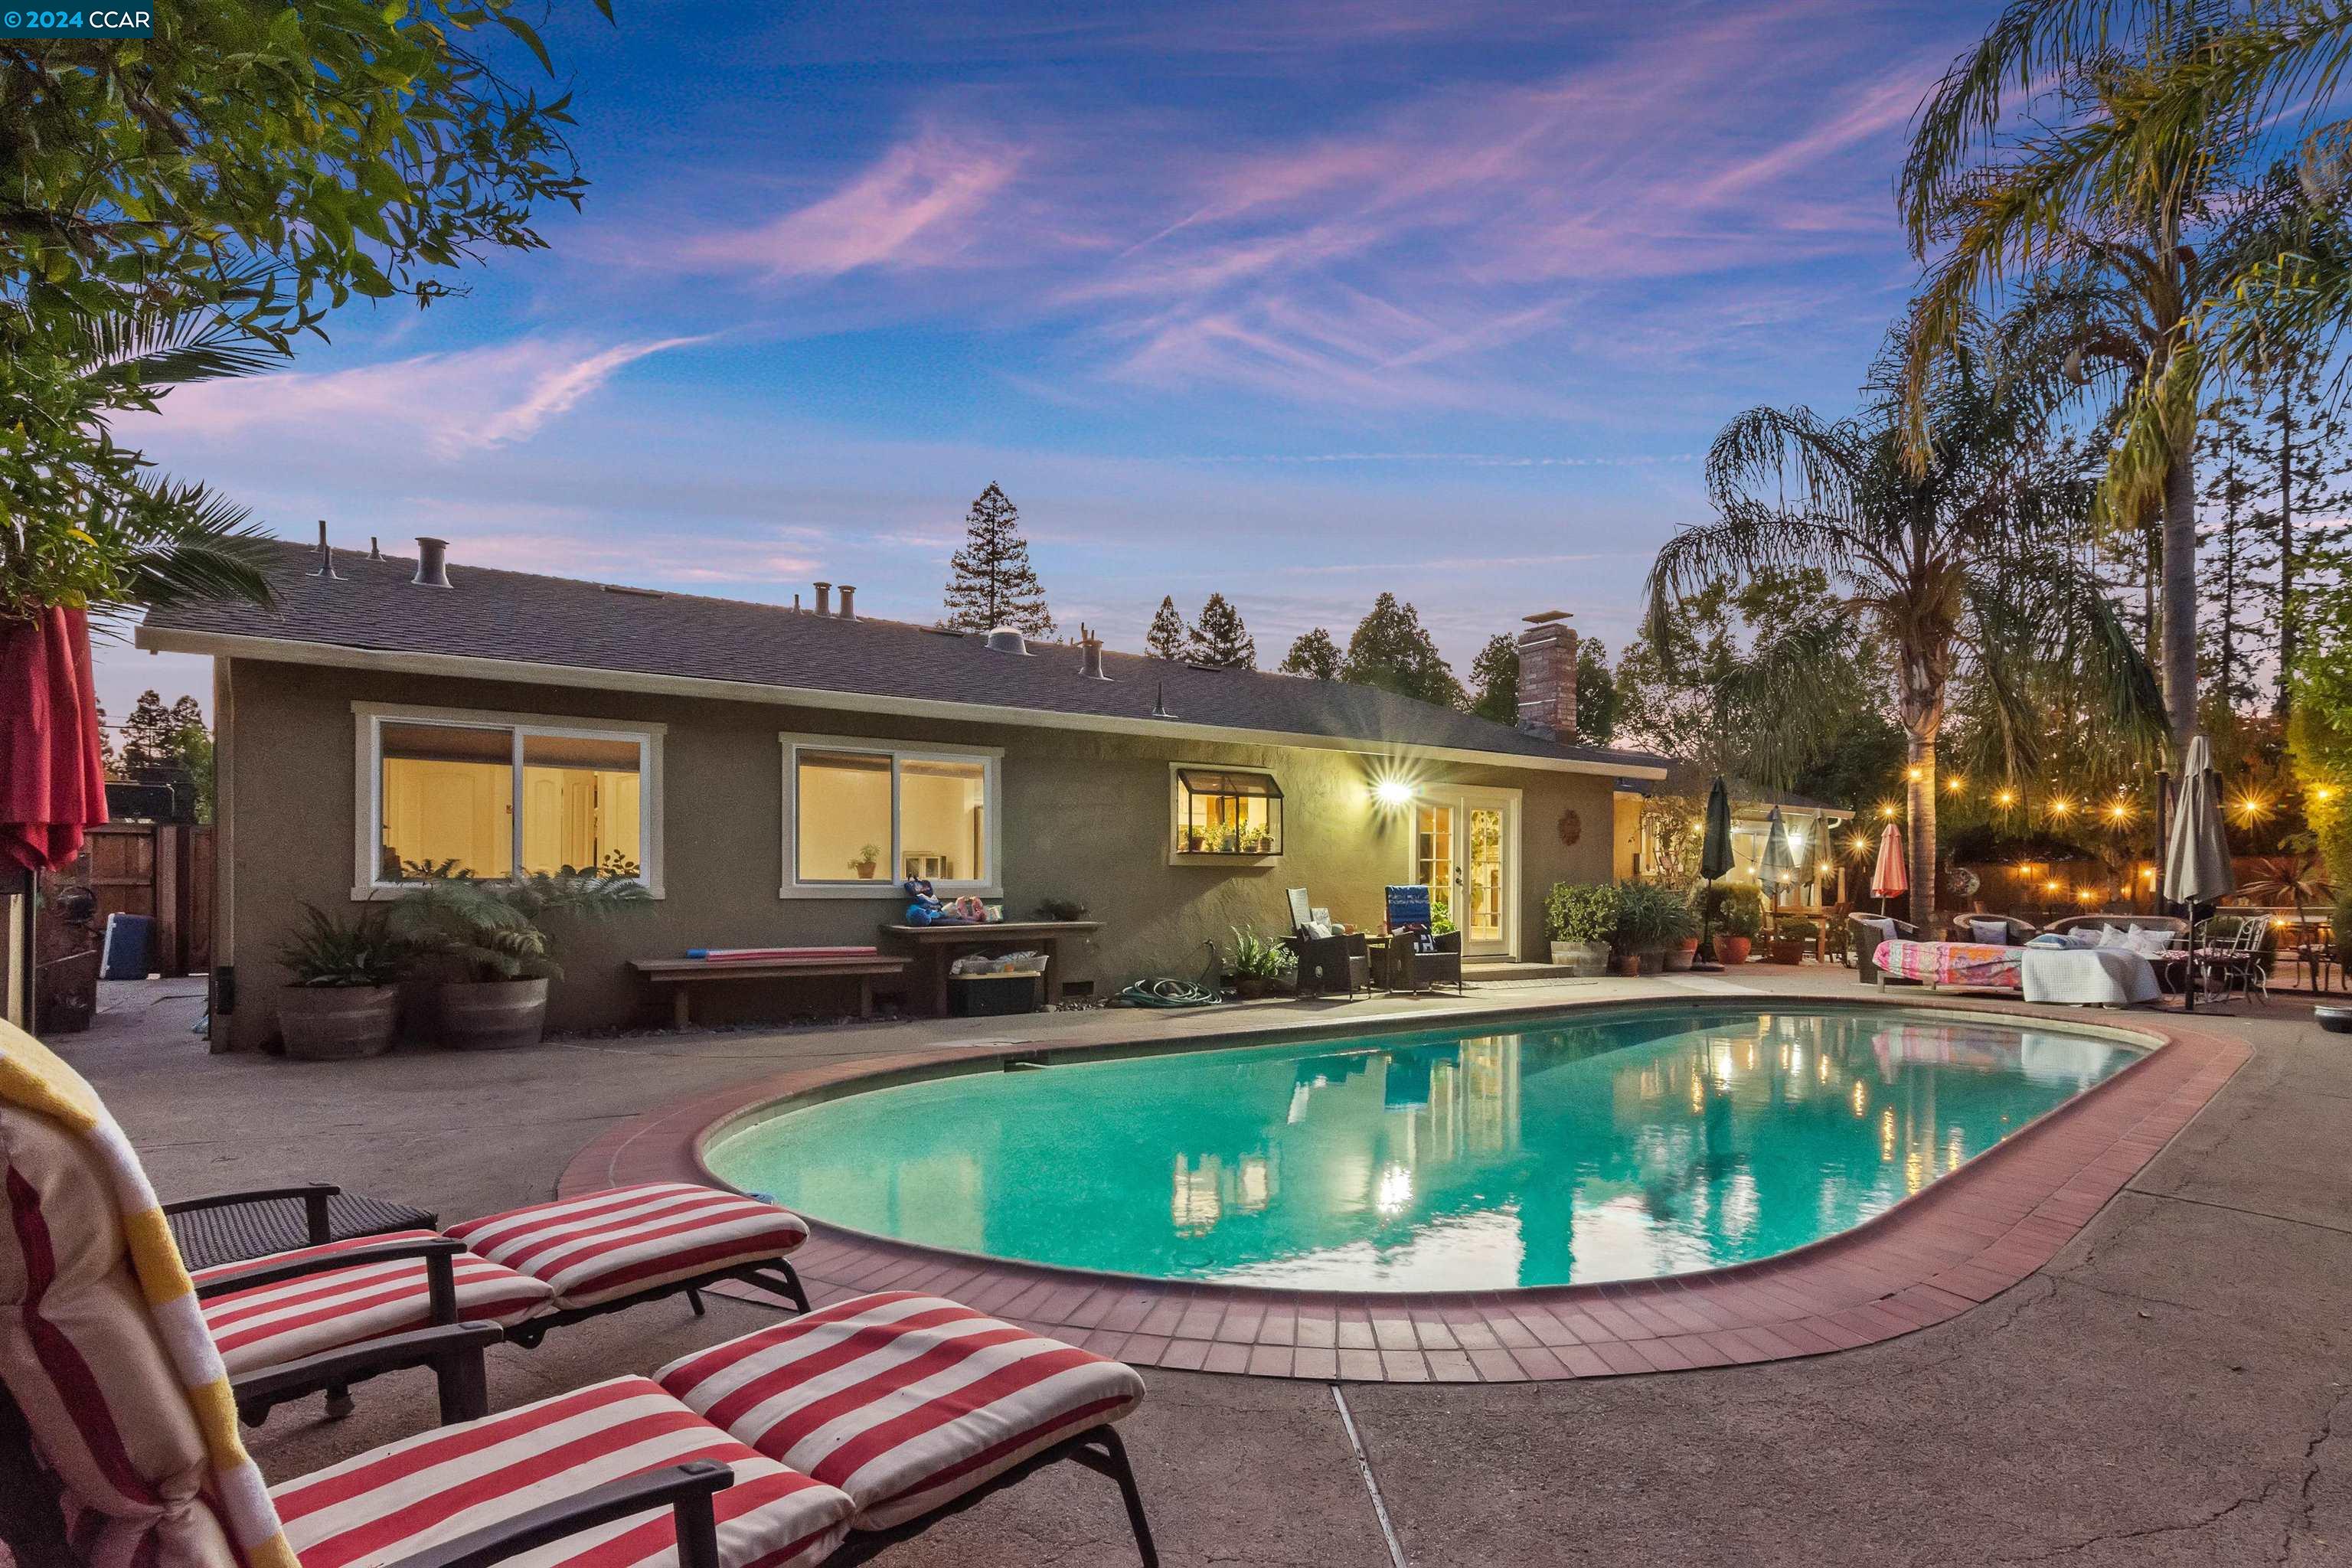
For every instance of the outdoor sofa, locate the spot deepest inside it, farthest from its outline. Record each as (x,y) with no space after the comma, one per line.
(822,1438)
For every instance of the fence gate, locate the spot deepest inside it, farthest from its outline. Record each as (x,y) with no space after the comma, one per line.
(160,870)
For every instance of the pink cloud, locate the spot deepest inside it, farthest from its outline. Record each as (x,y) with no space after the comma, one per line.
(914,206)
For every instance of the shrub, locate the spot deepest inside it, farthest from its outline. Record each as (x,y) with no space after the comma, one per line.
(1739,911)
(326,952)
(1581,912)
(1650,916)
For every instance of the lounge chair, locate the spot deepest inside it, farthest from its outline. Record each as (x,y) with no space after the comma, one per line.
(1865,932)
(765,1452)
(1410,969)
(1333,961)
(526,1270)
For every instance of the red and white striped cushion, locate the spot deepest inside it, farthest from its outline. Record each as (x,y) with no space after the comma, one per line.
(431,1489)
(903,1401)
(617,1243)
(317,1312)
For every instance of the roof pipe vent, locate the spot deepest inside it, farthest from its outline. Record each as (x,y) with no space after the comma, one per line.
(1090,654)
(432,563)
(375,549)
(825,598)
(1006,639)
(848,599)
(326,554)
(1159,702)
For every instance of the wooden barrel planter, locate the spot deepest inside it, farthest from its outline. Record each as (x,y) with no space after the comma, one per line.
(493,1015)
(337,1023)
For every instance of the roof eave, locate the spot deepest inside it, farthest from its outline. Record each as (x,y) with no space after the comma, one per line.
(290,650)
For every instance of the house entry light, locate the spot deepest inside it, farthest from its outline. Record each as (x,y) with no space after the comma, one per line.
(1392,791)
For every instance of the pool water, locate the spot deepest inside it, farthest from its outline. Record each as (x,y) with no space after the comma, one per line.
(1618,1145)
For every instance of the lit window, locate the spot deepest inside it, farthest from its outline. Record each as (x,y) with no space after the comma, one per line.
(445,794)
(1227,811)
(856,816)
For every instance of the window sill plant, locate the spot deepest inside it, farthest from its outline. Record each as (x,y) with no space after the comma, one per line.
(343,1001)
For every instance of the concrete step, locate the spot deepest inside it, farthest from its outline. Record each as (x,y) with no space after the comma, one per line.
(1478,969)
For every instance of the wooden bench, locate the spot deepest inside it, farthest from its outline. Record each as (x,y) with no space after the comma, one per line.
(682,975)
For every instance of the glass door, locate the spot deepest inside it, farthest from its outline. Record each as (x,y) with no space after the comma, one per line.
(1464,846)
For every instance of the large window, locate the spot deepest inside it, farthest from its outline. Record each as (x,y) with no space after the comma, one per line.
(859,818)
(1226,811)
(492,794)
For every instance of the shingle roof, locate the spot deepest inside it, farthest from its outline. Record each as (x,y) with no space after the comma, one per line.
(1683,778)
(520,616)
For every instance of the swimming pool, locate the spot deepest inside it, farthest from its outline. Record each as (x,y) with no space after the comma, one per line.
(1608,1145)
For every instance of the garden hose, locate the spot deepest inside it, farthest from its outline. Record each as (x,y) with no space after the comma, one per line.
(1168,991)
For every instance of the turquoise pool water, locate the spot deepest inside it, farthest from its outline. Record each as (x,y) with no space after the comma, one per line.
(1614,1146)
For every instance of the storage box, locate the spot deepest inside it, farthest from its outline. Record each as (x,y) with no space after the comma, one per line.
(996,995)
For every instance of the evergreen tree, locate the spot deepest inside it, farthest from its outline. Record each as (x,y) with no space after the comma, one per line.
(1391,650)
(992,583)
(1494,678)
(1169,634)
(1596,693)
(2299,542)
(155,736)
(107,757)
(1314,656)
(2233,461)
(1219,638)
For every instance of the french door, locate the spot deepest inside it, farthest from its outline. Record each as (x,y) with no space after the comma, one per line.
(1466,848)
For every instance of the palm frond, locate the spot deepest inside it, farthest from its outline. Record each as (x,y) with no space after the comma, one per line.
(194,544)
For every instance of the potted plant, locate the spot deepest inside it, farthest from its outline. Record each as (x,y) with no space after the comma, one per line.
(488,932)
(1581,918)
(1648,916)
(1739,916)
(344,1001)
(1259,966)
(1791,938)
(868,859)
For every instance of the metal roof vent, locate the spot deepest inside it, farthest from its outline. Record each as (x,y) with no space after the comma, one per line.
(432,563)
(825,598)
(1159,702)
(1006,639)
(1090,654)
(326,553)
(848,601)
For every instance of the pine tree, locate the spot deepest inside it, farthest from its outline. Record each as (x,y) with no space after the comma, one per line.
(107,757)
(2297,540)
(1494,678)
(992,583)
(1169,634)
(2233,459)
(149,735)
(1219,638)
(1313,654)
(1390,649)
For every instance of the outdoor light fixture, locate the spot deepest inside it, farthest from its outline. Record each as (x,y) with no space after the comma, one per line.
(1392,791)
(2007,797)
(1955,783)
(1914,774)
(2249,807)
(2060,808)
(2119,812)
(1888,812)
(2322,793)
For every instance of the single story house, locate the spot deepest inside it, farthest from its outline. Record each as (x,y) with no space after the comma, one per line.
(770,772)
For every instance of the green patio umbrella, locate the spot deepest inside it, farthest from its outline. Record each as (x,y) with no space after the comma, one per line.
(1780,862)
(1714,860)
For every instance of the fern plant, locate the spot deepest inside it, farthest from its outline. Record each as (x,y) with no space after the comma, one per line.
(493,927)
(325,951)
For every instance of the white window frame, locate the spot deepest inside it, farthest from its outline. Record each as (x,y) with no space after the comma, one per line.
(991,759)
(370,718)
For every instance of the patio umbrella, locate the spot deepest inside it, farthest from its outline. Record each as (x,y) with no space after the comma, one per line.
(1890,878)
(2197,868)
(1714,853)
(1780,863)
(52,783)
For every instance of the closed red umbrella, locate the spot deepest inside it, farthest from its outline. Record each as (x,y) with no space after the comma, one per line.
(52,781)
(1890,878)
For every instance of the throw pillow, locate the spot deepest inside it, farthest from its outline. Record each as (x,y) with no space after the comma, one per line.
(1994,931)
(2113,936)
(2151,941)
(1316,928)
(2084,936)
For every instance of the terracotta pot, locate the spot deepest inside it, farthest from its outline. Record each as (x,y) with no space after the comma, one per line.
(1733,949)
(493,1015)
(864,869)
(1630,965)
(1791,951)
(337,1023)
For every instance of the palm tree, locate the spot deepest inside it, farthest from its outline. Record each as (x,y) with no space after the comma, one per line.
(1958,561)
(88,524)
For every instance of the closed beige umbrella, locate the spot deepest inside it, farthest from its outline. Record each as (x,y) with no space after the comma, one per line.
(2197,868)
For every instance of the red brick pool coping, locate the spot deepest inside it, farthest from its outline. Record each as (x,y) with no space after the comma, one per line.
(1955,1244)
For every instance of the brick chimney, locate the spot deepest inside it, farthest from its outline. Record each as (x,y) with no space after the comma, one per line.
(1548,677)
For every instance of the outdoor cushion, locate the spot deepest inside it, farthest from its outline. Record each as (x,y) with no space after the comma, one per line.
(2113,936)
(283,1322)
(613,1244)
(2151,941)
(904,1401)
(430,1489)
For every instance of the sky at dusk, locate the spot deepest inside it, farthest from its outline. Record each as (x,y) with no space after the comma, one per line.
(1294,302)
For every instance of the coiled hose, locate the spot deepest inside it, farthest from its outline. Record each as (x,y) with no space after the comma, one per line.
(1166,991)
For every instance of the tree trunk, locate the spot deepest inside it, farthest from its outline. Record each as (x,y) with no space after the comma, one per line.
(1920,797)
(2286,543)
(2180,599)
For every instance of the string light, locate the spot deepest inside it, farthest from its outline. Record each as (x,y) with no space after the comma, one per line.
(2249,807)
(2007,797)
(1890,811)
(2061,807)
(2323,793)
(1914,774)
(1955,783)
(2119,812)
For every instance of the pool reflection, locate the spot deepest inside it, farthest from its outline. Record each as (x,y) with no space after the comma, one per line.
(1623,1147)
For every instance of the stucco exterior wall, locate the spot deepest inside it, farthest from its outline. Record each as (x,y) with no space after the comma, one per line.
(1085,816)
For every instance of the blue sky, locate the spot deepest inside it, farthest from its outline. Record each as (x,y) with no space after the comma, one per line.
(1295,302)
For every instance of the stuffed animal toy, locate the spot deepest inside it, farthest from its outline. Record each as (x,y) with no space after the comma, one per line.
(926,909)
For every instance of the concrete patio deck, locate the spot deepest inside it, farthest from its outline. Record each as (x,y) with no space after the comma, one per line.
(2164,1390)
